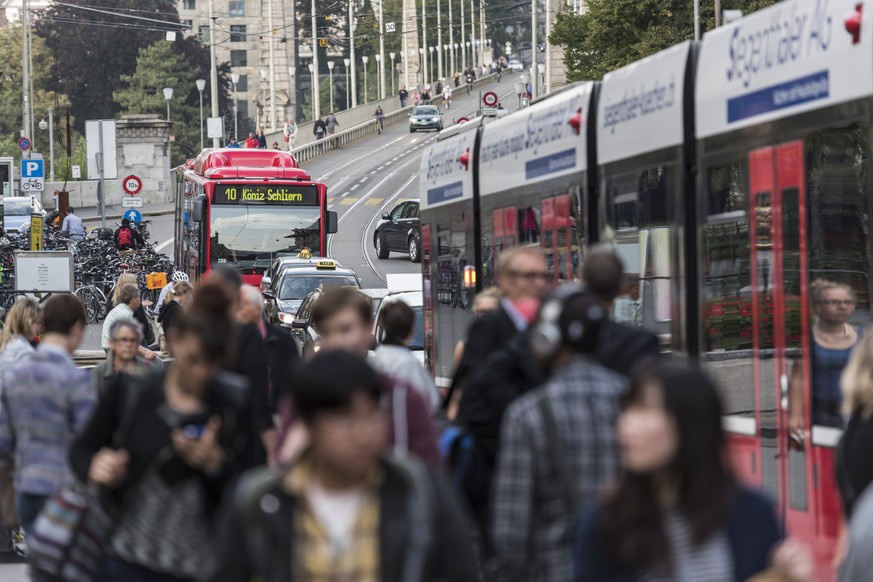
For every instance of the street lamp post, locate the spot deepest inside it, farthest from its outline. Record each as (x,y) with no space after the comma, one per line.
(456,56)
(330,77)
(422,61)
(312,88)
(541,69)
(346,63)
(366,59)
(168,95)
(379,78)
(201,85)
(262,111)
(234,78)
(430,68)
(392,55)
(51,127)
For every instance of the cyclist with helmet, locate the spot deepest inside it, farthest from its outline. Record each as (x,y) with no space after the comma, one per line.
(177,277)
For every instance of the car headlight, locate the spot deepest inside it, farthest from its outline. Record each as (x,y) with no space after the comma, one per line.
(316,348)
(286,317)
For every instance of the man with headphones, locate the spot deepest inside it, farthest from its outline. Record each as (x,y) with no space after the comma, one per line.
(557,443)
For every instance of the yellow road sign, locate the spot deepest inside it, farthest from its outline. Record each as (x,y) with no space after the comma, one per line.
(36,232)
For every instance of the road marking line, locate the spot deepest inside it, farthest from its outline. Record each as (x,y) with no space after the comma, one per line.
(347,201)
(333,171)
(368,227)
(355,187)
(362,180)
(164,244)
(382,167)
(373,201)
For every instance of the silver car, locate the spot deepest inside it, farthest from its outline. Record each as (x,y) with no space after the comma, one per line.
(425,117)
(17,211)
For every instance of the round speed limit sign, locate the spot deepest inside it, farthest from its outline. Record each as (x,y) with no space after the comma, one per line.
(490,99)
(132,185)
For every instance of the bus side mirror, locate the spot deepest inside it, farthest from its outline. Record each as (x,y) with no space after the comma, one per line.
(332,222)
(198,212)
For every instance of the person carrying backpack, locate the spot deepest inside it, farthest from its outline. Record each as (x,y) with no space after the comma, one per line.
(126,238)
(345,510)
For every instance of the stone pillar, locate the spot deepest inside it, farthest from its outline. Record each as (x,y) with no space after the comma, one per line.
(143,149)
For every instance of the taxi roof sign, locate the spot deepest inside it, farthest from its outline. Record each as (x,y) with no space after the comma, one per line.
(304,254)
(326,264)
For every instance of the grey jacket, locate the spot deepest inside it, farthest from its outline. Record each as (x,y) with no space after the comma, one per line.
(399,363)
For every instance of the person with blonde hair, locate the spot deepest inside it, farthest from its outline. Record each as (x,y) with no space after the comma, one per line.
(21,327)
(854,464)
(23,323)
(139,313)
(833,340)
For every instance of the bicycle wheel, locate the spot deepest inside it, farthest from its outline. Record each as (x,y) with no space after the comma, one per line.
(94,302)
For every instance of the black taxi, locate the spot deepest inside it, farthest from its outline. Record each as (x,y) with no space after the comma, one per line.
(287,291)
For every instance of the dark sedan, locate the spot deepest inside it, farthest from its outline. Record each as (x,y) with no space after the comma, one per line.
(425,117)
(399,231)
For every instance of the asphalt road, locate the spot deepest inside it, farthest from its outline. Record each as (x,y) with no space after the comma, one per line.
(364,180)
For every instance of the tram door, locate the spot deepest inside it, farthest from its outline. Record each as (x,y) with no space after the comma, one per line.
(779,275)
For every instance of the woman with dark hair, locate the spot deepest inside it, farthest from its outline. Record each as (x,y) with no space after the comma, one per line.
(678,512)
(394,357)
(166,447)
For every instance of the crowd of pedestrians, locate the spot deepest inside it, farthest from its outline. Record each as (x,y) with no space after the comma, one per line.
(567,449)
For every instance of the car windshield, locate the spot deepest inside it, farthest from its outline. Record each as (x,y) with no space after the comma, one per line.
(17,206)
(426,111)
(252,236)
(299,286)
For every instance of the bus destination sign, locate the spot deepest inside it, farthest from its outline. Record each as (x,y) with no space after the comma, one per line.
(276,194)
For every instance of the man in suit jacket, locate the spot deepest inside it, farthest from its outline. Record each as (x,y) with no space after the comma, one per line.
(620,347)
(522,275)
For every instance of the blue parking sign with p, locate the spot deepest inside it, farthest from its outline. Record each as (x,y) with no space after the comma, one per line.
(33,168)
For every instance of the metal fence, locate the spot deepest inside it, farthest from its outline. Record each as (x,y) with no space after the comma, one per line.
(347,136)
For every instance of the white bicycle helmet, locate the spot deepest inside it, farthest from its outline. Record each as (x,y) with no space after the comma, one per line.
(180,276)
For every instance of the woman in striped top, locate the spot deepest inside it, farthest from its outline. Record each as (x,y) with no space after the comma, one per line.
(678,514)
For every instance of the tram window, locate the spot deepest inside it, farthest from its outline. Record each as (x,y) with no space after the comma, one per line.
(838,250)
(727,309)
(529,225)
(653,197)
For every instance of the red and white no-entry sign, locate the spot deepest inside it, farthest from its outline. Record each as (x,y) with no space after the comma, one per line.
(132,185)
(490,99)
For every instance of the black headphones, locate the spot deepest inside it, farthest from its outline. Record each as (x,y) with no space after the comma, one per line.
(548,334)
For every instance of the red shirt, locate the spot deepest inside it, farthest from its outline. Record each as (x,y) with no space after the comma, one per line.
(252,142)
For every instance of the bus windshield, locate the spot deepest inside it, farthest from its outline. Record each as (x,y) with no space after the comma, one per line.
(251,236)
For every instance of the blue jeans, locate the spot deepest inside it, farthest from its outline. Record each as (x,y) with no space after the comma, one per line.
(115,570)
(28,507)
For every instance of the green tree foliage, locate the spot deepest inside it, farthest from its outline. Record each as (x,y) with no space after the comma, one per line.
(615,33)
(158,66)
(43,99)
(94,49)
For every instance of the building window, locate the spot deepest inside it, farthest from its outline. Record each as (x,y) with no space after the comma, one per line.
(237,8)
(238,33)
(204,33)
(188,24)
(238,58)
(189,5)
(243,85)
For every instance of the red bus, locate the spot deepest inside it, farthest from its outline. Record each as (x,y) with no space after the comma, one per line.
(242,208)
